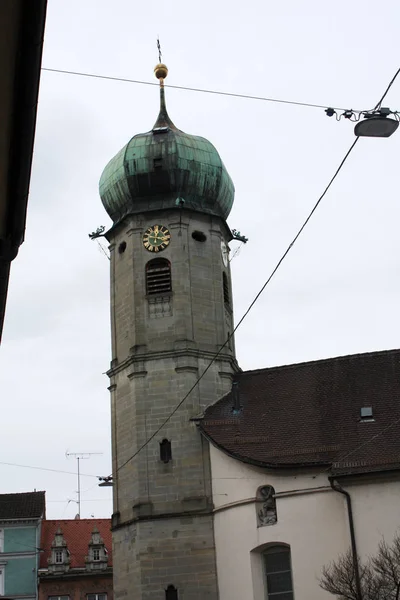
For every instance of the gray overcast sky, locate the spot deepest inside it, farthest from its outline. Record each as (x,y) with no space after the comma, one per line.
(338,291)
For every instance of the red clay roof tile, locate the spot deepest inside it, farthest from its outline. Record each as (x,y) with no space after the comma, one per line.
(77,533)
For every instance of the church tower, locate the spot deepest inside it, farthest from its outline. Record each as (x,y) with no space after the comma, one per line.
(168,194)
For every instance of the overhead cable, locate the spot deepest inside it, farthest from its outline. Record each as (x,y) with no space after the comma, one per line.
(192,89)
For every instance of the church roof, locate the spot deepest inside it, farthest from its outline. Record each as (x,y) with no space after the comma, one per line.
(27,505)
(311,414)
(160,168)
(77,534)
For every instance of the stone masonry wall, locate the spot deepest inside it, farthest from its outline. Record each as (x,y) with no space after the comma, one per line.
(163,523)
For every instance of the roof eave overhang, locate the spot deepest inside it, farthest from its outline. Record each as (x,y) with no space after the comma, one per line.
(263,464)
(373,473)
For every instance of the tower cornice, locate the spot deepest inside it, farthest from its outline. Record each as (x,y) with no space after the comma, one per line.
(139,359)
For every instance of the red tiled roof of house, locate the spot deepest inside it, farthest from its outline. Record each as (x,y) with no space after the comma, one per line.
(77,533)
(28,505)
(310,414)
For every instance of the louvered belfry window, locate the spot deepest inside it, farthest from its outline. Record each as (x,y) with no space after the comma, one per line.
(158,277)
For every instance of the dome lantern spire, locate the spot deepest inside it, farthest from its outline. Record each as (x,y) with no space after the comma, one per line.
(163,120)
(156,167)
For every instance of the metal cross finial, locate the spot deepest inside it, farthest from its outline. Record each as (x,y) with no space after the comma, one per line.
(159,50)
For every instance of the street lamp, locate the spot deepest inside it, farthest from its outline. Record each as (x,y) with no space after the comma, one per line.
(106,481)
(376,124)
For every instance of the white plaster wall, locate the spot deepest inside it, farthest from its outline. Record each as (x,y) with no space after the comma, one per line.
(376,511)
(314,524)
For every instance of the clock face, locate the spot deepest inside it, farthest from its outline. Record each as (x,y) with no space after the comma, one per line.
(156,238)
(224,252)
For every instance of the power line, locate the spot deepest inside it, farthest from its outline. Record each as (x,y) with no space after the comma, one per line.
(284,255)
(87,500)
(200,90)
(260,292)
(44,469)
(398,420)
(365,443)
(387,89)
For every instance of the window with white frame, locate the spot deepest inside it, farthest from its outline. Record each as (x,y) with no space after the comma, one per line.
(1,580)
(59,557)
(57,597)
(96,553)
(96,597)
(278,573)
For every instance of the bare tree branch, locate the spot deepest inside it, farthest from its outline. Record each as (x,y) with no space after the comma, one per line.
(338,578)
(379,575)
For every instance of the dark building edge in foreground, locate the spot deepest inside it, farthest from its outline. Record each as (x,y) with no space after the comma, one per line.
(22,24)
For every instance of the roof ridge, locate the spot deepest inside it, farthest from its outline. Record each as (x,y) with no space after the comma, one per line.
(318,360)
(23,493)
(91,520)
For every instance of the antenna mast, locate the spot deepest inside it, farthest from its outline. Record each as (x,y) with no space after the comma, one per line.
(80,456)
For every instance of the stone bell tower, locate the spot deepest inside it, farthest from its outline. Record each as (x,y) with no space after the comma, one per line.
(168,194)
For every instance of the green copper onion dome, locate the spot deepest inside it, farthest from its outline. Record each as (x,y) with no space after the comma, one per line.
(160,168)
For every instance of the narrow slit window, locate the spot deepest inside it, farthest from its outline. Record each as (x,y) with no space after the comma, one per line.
(158,277)
(171,593)
(225,286)
(165,451)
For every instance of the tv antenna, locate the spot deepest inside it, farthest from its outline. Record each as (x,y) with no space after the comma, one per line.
(80,456)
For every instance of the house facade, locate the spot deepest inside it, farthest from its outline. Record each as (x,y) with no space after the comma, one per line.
(20,529)
(76,562)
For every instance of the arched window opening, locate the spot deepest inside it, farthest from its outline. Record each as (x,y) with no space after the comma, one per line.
(225,286)
(171,593)
(266,515)
(158,277)
(165,451)
(278,573)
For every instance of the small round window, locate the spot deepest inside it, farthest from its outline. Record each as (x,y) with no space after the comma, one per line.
(199,236)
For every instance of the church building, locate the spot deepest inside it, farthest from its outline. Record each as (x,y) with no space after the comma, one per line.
(227,485)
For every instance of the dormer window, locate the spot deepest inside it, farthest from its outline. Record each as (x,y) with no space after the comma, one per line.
(59,561)
(97,558)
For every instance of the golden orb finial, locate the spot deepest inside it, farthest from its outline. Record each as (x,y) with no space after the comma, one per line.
(160,71)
